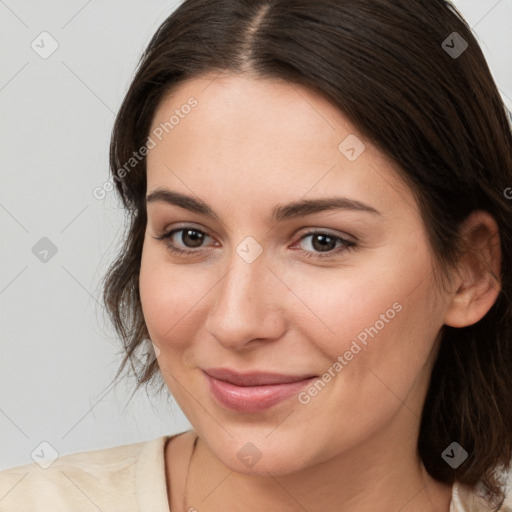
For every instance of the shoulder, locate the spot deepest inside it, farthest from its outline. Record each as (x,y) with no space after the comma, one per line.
(103,479)
(472,499)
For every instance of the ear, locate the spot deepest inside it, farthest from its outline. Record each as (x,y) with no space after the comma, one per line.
(477,282)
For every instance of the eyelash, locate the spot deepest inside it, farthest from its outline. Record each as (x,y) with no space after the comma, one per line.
(347,244)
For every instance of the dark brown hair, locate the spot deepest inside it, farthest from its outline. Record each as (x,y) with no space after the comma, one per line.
(438,116)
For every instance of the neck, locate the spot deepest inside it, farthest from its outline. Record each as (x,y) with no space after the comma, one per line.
(359,480)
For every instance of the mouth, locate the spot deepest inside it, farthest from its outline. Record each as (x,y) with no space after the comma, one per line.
(255,391)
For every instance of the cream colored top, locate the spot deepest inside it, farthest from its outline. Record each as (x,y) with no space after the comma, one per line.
(127,478)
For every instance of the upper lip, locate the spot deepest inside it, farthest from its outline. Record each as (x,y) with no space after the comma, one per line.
(255,378)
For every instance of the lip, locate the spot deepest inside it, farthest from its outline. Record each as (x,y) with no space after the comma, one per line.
(255,391)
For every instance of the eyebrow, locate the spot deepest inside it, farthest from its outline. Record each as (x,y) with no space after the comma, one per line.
(279,213)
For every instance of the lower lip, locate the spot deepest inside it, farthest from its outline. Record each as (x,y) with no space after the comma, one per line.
(253,398)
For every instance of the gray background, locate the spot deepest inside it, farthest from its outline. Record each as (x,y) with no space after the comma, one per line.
(58,353)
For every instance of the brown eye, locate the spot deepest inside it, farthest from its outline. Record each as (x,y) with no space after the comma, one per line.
(325,244)
(188,242)
(191,237)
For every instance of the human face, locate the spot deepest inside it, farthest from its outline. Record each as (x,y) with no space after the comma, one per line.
(359,313)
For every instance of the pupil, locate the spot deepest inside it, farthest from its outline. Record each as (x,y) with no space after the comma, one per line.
(197,237)
(323,247)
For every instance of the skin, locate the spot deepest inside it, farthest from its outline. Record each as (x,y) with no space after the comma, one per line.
(249,145)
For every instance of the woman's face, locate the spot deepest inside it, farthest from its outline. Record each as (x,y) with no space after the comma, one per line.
(271,281)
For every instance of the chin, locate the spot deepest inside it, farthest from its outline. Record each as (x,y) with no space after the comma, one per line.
(260,454)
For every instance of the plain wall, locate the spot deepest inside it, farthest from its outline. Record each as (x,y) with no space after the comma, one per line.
(57,354)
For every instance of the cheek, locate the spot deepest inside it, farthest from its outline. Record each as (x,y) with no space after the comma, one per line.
(174,299)
(364,301)
(374,324)
(166,294)
(376,359)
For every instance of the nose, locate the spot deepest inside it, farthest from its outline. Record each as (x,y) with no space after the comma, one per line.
(248,305)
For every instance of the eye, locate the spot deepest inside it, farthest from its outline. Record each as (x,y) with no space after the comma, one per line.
(327,244)
(190,237)
(321,245)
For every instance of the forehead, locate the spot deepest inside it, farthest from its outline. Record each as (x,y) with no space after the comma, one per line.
(263,135)
(268,109)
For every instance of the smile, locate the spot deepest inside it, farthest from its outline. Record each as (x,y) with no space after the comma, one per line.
(253,392)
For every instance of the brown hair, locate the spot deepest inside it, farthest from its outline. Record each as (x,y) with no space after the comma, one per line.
(438,116)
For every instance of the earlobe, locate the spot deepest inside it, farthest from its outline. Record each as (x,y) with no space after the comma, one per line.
(477,285)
